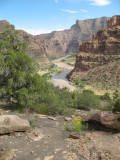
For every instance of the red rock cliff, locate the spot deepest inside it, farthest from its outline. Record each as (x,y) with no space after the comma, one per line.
(104,47)
(98,54)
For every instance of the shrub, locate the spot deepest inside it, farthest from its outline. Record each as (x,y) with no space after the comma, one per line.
(79,83)
(105,97)
(88,100)
(67,128)
(77,124)
(117,106)
(116,95)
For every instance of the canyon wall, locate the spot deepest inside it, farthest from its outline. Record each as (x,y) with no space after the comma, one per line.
(68,41)
(58,43)
(99,59)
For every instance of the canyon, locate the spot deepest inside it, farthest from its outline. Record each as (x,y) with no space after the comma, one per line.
(68,41)
(57,43)
(98,60)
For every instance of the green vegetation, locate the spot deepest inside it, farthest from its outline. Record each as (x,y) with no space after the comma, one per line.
(107,102)
(26,90)
(51,70)
(70,60)
(78,83)
(22,86)
(67,128)
(77,125)
(117,106)
(87,100)
(33,122)
(116,95)
(19,81)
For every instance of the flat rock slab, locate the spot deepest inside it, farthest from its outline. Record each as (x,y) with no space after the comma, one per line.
(12,123)
(52,118)
(35,135)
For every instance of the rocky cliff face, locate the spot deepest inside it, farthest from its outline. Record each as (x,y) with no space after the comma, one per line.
(36,48)
(98,61)
(57,43)
(67,41)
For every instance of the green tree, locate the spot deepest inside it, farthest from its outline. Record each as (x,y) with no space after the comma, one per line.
(19,81)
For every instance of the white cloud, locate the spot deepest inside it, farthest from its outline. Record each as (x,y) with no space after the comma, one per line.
(56,1)
(83,10)
(69,11)
(41,31)
(93,2)
(99,2)
(35,31)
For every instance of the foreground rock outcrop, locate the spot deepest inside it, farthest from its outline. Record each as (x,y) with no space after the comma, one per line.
(49,140)
(98,61)
(12,123)
(103,121)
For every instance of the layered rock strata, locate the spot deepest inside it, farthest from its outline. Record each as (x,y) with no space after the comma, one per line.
(68,41)
(99,59)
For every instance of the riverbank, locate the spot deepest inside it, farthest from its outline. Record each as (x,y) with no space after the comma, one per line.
(60,79)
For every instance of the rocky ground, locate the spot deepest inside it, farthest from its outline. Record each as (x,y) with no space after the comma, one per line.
(48,140)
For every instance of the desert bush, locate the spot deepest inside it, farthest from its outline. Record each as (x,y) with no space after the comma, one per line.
(117,106)
(67,128)
(87,100)
(116,95)
(78,83)
(77,125)
(105,97)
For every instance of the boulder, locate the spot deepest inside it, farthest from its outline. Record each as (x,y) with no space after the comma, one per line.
(7,155)
(12,123)
(67,118)
(104,121)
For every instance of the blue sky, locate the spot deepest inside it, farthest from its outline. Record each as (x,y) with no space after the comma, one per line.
(41,16)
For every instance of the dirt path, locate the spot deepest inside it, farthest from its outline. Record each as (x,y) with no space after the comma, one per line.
(60,79)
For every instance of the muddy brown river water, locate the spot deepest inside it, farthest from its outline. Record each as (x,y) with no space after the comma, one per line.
(60,79)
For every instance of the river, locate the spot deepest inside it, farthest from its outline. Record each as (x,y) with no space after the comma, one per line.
(60,79)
